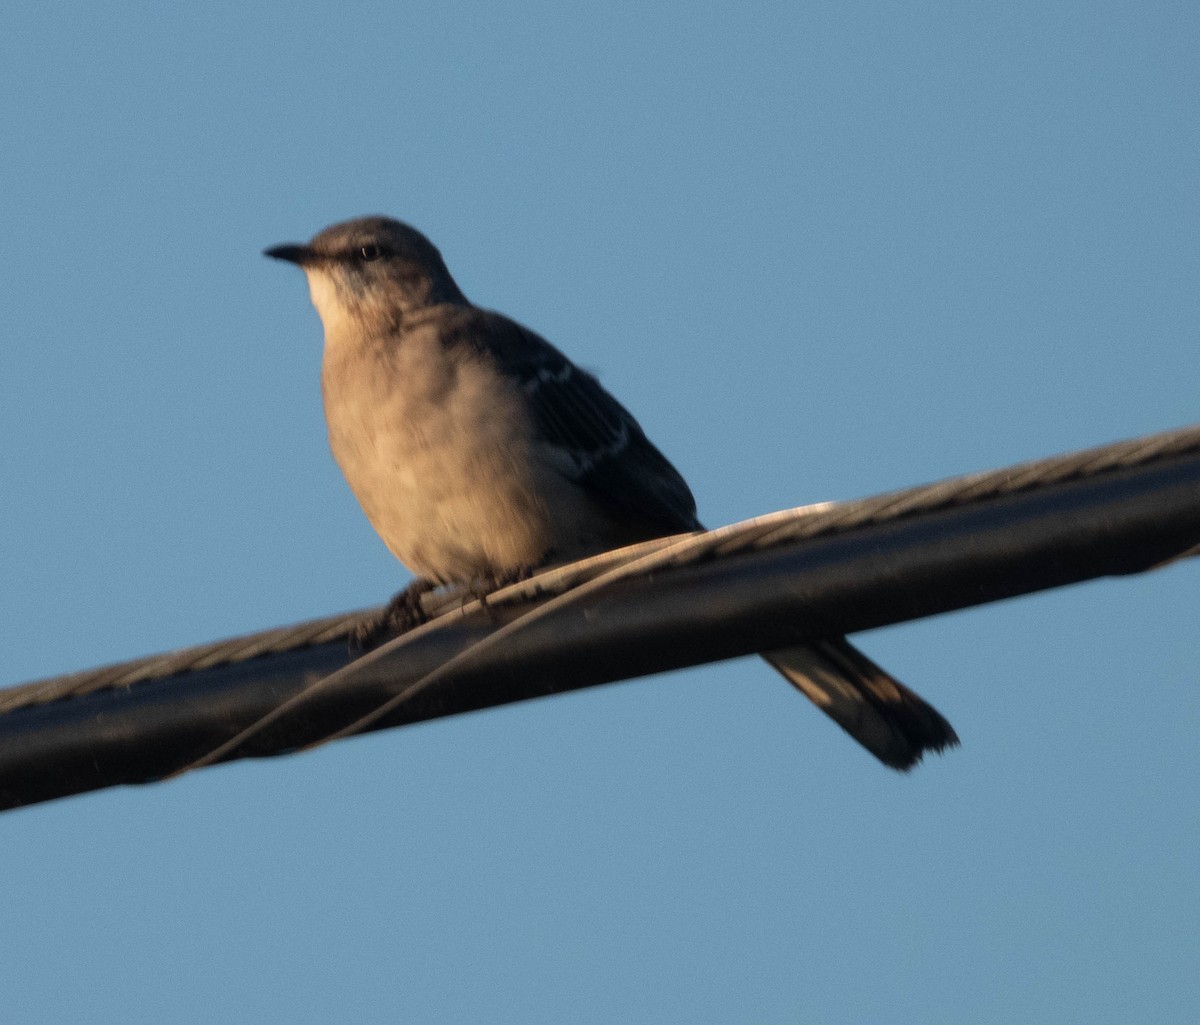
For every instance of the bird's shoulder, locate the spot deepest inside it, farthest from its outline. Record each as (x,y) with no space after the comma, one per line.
(588,435)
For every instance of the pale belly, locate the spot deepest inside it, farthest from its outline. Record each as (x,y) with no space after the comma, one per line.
(446,472)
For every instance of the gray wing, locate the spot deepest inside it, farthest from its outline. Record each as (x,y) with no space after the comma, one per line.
(594,439)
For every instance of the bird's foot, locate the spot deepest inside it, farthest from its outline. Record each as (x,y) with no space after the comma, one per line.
(402,613)
(481,587)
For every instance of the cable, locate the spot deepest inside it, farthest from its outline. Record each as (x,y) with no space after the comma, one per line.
(781,579)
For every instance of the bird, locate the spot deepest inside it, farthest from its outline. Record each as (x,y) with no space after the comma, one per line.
(478,450)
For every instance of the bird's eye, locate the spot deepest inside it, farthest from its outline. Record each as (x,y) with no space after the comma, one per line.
(370,252)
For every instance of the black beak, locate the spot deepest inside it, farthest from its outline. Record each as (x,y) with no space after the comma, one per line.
(299,255)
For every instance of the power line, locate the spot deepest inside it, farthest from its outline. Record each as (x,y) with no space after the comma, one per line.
(767,583)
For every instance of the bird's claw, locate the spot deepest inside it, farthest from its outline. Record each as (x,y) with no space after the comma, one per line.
(403,613)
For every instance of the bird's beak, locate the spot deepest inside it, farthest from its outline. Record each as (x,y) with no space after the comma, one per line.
(299,255)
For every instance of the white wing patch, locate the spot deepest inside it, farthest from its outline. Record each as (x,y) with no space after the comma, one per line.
(545,376)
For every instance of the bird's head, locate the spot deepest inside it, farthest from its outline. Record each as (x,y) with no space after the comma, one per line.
(370,271)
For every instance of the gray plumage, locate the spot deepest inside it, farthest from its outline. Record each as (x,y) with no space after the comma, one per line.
(476,448)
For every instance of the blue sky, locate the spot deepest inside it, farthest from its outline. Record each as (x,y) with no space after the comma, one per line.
(822,250)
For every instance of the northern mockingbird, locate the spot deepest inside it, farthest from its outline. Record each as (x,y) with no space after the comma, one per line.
(477,449)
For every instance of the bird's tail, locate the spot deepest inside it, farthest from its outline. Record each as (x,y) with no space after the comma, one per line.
(889,720)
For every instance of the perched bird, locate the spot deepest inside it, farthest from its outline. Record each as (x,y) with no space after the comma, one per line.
(477,449)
